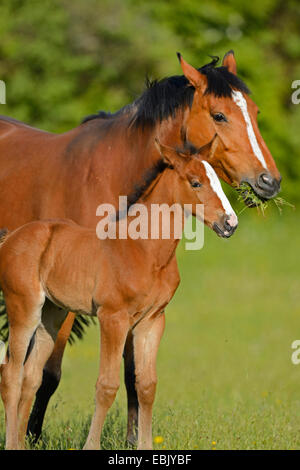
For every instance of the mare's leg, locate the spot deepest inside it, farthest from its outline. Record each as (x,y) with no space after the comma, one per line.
(132,399)
(24,314)
(50,380)
(114,329)
(52,318)
(147,336)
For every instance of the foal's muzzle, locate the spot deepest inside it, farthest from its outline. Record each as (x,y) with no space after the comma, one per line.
(227,226)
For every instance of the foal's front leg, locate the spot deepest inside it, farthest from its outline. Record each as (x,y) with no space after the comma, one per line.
(147,336)
(114,329)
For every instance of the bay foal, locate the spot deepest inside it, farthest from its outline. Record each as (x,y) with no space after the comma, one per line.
(50,267)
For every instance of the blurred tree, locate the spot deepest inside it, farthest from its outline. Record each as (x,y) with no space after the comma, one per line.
(62,60)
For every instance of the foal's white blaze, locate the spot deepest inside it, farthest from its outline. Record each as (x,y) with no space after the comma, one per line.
(217,188)
(242,104)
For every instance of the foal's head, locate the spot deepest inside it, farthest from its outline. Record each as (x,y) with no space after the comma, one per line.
(195,182)
(222,106)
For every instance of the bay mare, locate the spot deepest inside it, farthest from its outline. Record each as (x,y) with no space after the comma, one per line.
(50,267)
(44,175)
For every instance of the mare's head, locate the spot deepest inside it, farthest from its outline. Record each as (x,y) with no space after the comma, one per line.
(221,105)
(192,108)
(196,182)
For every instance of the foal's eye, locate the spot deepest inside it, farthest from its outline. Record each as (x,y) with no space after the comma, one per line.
(219,117)
(196,184)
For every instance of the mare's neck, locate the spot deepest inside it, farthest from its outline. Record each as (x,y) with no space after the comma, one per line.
(140,152)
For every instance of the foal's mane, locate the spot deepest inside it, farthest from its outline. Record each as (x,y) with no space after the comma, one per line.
(152,173)
(140,188)
(163,98)
(147,179)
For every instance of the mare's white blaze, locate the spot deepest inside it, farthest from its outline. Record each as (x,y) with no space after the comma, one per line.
(242,104)
(217,188)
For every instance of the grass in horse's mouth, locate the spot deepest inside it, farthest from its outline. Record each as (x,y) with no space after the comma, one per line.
(248,196)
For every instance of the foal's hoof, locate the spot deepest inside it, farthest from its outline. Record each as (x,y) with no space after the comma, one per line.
(88,447)
(91,445)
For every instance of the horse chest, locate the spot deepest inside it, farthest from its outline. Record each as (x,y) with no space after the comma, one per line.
(154,293)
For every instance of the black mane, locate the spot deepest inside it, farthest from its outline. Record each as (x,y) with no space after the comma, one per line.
(149,176)
(163,98)
(107,115)
(139,190)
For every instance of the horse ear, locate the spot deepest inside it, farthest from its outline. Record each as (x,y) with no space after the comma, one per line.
(197,79)
(170,155)
(209,149)
(167,153)
(229,62)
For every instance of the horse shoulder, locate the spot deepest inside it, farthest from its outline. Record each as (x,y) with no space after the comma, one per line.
(170,278)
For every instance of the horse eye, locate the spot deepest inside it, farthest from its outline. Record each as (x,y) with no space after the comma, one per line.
(219,117)
(196,184)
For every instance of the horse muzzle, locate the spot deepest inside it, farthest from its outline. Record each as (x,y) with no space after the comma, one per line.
(227,226)
(265,186)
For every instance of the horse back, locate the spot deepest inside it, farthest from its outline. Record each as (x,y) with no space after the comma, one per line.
(45,175)
(35,174)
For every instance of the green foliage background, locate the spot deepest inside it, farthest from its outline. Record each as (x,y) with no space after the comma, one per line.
(64,59)
(225,371)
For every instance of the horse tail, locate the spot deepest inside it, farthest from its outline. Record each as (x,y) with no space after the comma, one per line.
(4,232)
(3,317)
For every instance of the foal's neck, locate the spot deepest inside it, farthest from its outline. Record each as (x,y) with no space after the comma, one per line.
(160,250)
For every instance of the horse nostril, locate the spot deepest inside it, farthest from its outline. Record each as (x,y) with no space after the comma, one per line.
(227,226)
(231,222)
(265,181)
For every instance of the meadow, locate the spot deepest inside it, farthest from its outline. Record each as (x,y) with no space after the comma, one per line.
(226,380)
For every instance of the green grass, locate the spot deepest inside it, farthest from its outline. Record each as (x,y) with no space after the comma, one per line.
(224,365)
(246,193)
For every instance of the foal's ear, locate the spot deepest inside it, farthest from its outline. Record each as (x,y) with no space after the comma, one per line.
(229,62)
(171,156)
(197,79)
(208,150)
